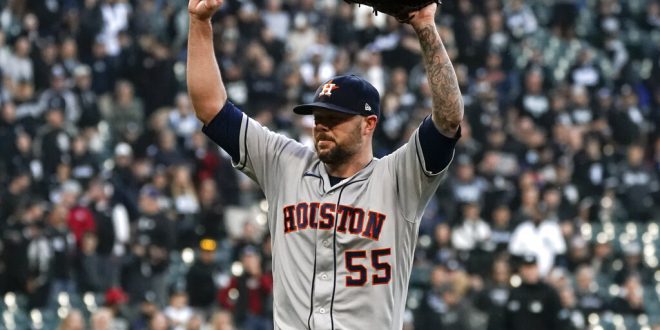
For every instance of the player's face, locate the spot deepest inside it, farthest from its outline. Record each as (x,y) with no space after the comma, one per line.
(337,136)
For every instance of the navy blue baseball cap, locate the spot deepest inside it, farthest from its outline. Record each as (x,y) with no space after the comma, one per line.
(348,94)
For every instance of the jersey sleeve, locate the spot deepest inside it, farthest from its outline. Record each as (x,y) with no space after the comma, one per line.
(261,154)
(419,166)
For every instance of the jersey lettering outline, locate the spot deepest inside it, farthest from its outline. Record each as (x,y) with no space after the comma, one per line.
(352,220)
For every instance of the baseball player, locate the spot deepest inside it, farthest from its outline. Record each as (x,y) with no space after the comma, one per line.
(344,224)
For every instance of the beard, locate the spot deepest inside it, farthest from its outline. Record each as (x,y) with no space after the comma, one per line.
(338,153)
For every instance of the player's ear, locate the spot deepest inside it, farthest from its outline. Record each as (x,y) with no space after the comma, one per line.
(370,123)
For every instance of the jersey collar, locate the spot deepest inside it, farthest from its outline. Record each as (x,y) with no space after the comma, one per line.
(318,170)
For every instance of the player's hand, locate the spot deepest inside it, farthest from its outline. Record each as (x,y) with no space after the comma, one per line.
(424,16)
(203,10)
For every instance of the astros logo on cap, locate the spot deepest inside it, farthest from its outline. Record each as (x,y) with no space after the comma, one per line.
(328,88)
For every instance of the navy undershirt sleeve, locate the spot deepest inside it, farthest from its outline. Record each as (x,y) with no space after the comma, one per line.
(437,148)
(225,130)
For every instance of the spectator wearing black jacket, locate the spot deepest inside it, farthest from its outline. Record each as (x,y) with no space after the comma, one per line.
(90,114)
(112,230)
(589,300)
(443,305)
(637,184)
(631,298)
(200,282)
(494,297)
(84,165)
(63,246)
(88,277)
(534,304)
(53,141)
(21,230)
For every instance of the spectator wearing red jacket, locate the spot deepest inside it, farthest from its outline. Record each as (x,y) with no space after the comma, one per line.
(249,295)
(80,218)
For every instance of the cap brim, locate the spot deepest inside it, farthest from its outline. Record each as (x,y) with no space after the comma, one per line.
(308,109)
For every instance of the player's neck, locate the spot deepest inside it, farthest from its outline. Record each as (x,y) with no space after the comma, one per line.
(350,166)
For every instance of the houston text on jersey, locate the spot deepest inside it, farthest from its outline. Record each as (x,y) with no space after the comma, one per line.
(352,220)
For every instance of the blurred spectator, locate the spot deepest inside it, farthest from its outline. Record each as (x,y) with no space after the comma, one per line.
(158,322)
(165,152)
(73,321)
(444,306)
(569,316)
(178,312)
(578,253)
(147,308)
(493,299)
(89,277)
(80,218)
(467,186)
(154,227)
(631,299)
(540,237)
(212,211)
(90,114)
(638,184)
(473,232)
(520,18)
(18,66)
(53,141)
(102,319)
(21,229)
(115,302)
(182,120)
(248,295)
(222,320)
(145,268)
(112,230)
(183,192)
(63,247)
(501,227)
(84,165)
(589,300)
(472,239)
(633,264)
(441,250)
(13,197)
(155,80)
(533,304)
(200,279)
(125,113)
(115,18)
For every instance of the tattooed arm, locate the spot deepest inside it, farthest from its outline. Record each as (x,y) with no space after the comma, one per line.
(447,112)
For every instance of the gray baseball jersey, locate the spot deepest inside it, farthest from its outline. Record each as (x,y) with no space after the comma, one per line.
(342,254)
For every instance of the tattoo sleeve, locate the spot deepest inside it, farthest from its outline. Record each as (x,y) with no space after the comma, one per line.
(447,110)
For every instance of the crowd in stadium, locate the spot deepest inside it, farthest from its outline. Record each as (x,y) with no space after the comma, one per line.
(116,212)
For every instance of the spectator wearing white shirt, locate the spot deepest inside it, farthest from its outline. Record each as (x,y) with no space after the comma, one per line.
(540,237)
(18,66)
(520,18)
(116,15)
(178,312)
(472,240)
(472,232)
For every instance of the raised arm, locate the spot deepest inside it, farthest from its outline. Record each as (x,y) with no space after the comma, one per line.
(205,87)
(447,112)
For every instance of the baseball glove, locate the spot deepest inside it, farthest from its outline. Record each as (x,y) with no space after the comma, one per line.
(399,9)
